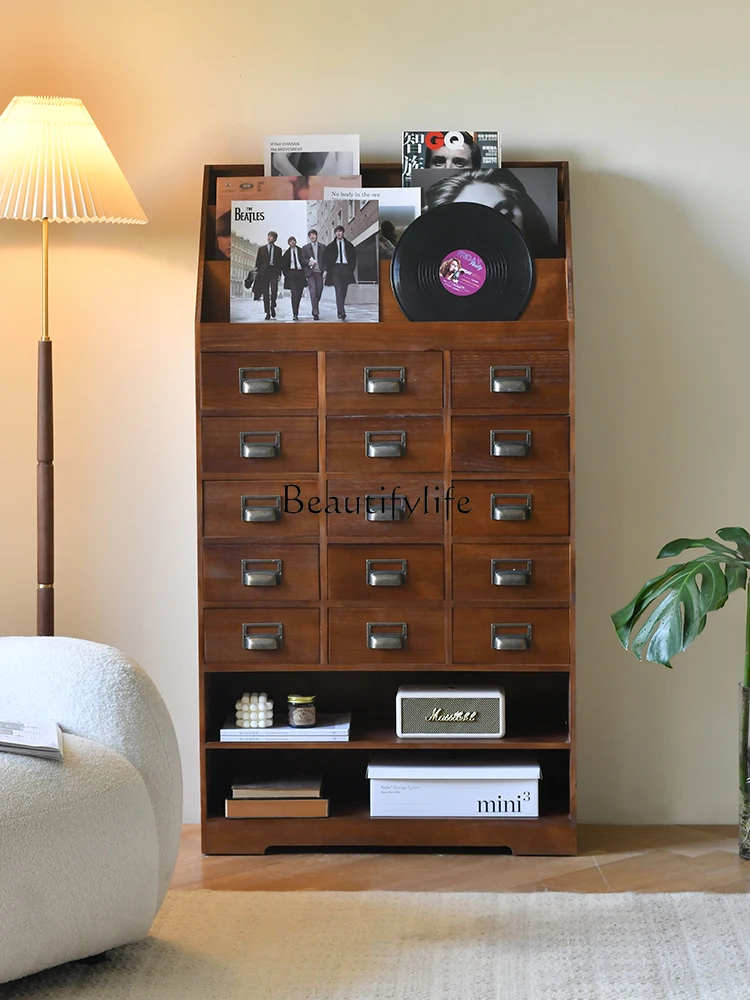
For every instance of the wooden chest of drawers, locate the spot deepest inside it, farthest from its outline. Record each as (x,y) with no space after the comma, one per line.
(382,505)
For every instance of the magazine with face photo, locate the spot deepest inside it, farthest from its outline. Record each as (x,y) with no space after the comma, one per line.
(304,261)
(229,189)
(331,155)
(526,195)
(448,150)
(398,207)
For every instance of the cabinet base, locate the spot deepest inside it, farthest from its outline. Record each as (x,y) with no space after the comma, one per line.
(548,835)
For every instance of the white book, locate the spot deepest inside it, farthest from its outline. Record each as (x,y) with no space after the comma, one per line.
(37,739)
(329,728)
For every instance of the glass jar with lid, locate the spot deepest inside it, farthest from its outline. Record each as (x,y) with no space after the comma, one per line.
(301,710)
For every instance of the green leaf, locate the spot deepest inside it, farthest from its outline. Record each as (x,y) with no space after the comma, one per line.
(679,545)
(686,593)
(736,577)
(625,618)
(740,537)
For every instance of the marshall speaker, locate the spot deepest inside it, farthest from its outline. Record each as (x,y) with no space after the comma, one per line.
(450,711)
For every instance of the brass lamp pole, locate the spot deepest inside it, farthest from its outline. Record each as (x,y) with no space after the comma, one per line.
(55,167)
(45,471)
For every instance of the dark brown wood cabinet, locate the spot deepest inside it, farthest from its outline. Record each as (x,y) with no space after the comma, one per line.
(440,514)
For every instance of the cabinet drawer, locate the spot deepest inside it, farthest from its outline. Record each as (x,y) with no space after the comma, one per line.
(512,574)
(259,383)
(420,632)
(295,631)
(407,382)
(261,574)
(260,445)
(519,444)
(379,445)
(528,382)
(376,518)
(388,574)
(256,511)
(544,634)
(544,508)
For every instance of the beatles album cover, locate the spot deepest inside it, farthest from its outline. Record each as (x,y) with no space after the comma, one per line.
(299,188)
(448,150)
(527,195)
(304,261)
(398,208)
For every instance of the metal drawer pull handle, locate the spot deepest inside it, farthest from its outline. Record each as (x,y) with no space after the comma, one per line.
(386,447)
(253,384)
(500,511)
(510,640)
(502,446)
(252,444)
(382,382)
(387,640)
(382,508)
(388,575)
(260,513)
(254,575)
(508,572)
(507,381)
(271,638)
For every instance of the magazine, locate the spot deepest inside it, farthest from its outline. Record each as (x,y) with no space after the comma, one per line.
(448,150)
(37,739)
(333,155)
(329,729)
(398,207)
(527,195)
(229,189)
(300,261)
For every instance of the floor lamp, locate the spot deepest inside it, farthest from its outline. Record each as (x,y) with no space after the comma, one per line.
(55,167)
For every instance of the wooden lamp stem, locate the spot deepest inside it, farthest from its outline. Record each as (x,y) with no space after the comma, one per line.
(45,605)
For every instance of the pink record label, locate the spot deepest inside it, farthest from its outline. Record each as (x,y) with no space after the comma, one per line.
(462,272)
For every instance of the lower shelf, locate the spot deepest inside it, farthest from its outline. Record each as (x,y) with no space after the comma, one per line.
(354,828)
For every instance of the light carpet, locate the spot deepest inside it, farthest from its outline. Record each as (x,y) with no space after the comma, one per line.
(423,946)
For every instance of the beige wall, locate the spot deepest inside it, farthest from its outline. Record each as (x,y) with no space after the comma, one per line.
(649,103)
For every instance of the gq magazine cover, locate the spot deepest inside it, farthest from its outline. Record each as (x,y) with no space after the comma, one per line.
(450,149)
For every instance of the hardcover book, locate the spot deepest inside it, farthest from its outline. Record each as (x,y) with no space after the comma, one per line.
(301,261)
(448,150)
(301,786)
(273,808)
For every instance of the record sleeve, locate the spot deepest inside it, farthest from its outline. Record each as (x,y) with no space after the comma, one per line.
(277,274)
(462,262)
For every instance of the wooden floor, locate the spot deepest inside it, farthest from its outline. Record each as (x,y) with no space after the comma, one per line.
(611,859)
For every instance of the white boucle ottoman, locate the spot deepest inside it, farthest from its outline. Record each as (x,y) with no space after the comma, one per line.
(87,844)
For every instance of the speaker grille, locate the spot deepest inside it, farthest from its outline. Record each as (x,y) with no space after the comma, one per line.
(415,713)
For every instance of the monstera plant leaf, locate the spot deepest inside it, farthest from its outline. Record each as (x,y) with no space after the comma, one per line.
(673,607)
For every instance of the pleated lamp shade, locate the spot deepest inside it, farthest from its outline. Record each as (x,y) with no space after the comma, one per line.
(54,164)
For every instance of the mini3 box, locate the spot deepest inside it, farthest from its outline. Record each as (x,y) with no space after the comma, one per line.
(482,789)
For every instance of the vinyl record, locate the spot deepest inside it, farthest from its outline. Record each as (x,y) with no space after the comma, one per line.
(462,262)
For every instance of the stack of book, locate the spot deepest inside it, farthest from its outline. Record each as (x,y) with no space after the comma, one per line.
(328,729)
(277,798)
